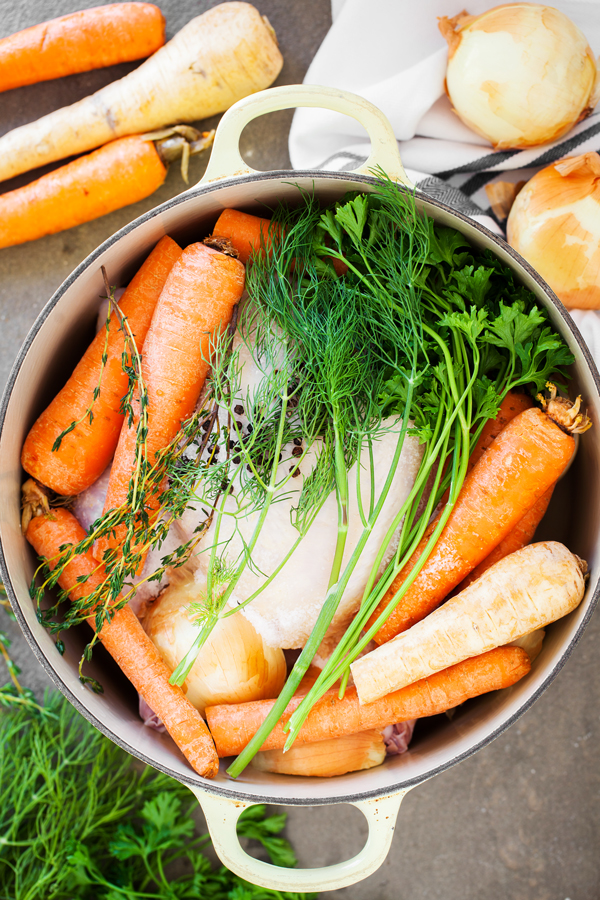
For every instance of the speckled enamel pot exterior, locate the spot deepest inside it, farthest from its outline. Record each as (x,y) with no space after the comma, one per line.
(55,343)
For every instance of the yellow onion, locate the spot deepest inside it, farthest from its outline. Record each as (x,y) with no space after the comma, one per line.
(520,74)
(555,224)
(323,759)
(233,666)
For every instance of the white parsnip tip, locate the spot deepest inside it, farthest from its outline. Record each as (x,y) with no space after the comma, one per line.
(523,592)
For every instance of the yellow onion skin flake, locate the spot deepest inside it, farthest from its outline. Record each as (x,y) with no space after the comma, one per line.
(520,74)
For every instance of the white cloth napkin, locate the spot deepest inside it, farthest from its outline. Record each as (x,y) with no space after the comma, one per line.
(392,53)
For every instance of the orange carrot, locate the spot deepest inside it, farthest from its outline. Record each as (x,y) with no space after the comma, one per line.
(248,234)
(116,175)
(521,535)
(89,39)
(85,452)
(511,406)
(232,726)
(521,464)
(197,301)
(126,641)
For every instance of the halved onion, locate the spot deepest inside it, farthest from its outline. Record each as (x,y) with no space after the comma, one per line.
(323,759)
(234,665)
(555,224)
(520,74)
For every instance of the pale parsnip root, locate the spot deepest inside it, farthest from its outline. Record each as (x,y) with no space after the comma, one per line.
(216,59)
(323,759)
(524,591)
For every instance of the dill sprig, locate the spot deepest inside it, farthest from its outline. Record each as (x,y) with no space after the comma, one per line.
(80,819)
(13,694)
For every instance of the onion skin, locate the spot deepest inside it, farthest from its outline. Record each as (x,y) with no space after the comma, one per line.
(233,666)
(323,759)
(520,75)
(554,224)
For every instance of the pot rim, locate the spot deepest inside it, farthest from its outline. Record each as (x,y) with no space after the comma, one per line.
(234,792)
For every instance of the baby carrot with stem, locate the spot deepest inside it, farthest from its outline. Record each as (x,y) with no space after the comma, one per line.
(119,173)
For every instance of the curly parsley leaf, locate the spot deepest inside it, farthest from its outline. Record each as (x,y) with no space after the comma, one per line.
(472,284)
(445,242)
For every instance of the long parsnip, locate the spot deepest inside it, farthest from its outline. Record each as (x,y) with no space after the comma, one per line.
(216,59)
(524,591)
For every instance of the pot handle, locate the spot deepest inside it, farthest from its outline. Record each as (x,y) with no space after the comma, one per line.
(226,161)
(222,814)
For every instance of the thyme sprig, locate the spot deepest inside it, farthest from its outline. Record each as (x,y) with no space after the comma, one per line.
(158,493)
(89,412)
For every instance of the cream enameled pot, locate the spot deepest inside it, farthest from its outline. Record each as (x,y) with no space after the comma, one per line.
(53,346)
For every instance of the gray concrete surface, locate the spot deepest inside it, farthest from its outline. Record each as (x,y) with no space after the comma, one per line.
(521,819)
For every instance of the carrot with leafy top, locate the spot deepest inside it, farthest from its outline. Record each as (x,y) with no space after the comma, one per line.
(86,450)
(84,40)
(125,640)
(521,464)
(232,726)
(196,303)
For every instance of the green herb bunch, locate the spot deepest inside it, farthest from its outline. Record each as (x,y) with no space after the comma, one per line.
(448,333)
(78,818)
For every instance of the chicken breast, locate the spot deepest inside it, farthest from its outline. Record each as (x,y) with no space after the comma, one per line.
(286,610)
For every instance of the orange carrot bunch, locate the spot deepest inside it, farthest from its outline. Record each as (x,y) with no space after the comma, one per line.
(431,657)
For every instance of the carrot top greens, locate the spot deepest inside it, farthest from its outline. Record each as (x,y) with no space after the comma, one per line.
(423,335)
